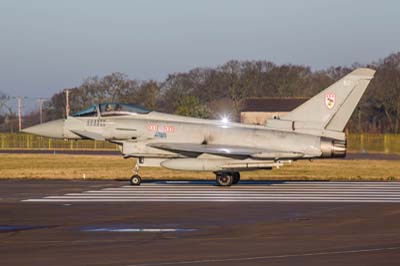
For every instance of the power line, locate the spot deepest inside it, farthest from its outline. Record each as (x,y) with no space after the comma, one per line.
(19,99)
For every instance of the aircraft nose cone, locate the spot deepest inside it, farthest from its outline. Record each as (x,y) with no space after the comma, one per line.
(52,129)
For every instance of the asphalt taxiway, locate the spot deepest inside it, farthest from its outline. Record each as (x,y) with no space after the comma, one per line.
(197,223)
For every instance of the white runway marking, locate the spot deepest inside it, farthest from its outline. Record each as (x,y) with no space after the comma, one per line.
(271,257)
(247,192)
(138,230)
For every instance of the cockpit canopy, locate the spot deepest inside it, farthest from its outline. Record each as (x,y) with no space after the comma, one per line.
(112,109)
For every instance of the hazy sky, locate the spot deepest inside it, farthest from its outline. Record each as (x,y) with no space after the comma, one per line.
(47,45)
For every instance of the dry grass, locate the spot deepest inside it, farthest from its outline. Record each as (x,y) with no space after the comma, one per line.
(114,167)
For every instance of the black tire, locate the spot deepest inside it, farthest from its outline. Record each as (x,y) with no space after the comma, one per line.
(236,178)
(136,180)
(224,179)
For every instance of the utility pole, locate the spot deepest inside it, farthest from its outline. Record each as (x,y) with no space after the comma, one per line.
(41,100)
(19,114)
(67,102)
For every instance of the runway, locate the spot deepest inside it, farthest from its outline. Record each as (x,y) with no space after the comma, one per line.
(372,192)
(87,223)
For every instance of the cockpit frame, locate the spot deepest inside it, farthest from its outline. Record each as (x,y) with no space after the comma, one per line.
(112,109)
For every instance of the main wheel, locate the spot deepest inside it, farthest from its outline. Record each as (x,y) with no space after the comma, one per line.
(136,180)
(224,179)
(236,178)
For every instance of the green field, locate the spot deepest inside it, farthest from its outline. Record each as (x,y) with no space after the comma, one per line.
(57,166)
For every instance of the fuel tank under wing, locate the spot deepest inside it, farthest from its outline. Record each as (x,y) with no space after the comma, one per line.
(226,150)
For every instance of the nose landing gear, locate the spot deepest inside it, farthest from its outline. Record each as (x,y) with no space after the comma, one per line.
(136,179)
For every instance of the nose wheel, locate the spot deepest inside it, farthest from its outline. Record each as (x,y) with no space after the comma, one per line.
(136,180)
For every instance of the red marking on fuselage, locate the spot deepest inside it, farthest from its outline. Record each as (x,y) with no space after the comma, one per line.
(166,129)
(152,127)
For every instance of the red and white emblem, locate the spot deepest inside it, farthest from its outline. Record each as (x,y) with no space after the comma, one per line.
(330,99)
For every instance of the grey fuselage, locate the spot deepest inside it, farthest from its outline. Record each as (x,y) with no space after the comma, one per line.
(135,133)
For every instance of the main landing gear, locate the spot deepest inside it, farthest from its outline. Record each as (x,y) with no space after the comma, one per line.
(226,178)
(136,179)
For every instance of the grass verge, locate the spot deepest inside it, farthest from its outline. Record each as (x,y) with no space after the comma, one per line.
(44,166)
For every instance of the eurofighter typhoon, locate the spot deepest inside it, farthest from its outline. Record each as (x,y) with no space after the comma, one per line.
(312,130)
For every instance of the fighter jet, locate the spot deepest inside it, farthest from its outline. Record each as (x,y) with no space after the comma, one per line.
(312,130)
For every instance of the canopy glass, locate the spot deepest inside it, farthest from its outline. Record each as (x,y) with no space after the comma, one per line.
(112,109)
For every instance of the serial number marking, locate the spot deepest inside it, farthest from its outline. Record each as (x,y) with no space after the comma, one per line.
(152,127)
(167,129)
(162,128)
(96,123)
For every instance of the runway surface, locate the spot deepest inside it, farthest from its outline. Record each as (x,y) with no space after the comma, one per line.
(46,222)
(244,192)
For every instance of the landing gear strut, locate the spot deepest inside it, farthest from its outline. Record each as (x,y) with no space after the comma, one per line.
(136,179)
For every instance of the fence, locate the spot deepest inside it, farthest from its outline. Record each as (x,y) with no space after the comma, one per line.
(16,141)
(381,143)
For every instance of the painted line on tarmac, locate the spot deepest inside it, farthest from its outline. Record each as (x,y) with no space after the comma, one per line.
(225,197)
(247,189)
(272,185)
(269,257)
(208,196)
(104,193)
(183,193)
(252,187)
(255,182)
(213,200)
(137,230)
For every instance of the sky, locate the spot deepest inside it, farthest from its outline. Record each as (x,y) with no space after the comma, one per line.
(48,45)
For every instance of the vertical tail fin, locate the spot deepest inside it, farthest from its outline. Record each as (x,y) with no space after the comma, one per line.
(331,109)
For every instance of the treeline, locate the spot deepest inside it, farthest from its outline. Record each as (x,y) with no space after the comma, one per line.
(209,92)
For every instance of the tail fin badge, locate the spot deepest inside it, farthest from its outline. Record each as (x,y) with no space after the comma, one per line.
(330,99)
